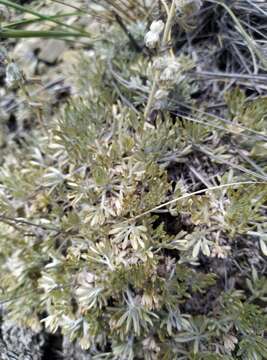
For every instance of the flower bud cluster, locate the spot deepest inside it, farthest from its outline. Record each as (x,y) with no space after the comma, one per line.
(170,73)
(153,36)
(170,70)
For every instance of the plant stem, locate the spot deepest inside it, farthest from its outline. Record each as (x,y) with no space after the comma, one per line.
(198,192)
(151,95)
(168,24)
(164,42)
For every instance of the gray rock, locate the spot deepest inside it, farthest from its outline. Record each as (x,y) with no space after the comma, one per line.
(51,50)
(17,343)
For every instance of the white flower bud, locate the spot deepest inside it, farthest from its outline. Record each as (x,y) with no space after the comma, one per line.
(157,26)
(152,37)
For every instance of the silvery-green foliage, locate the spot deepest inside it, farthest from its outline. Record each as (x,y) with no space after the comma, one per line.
(85,249)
